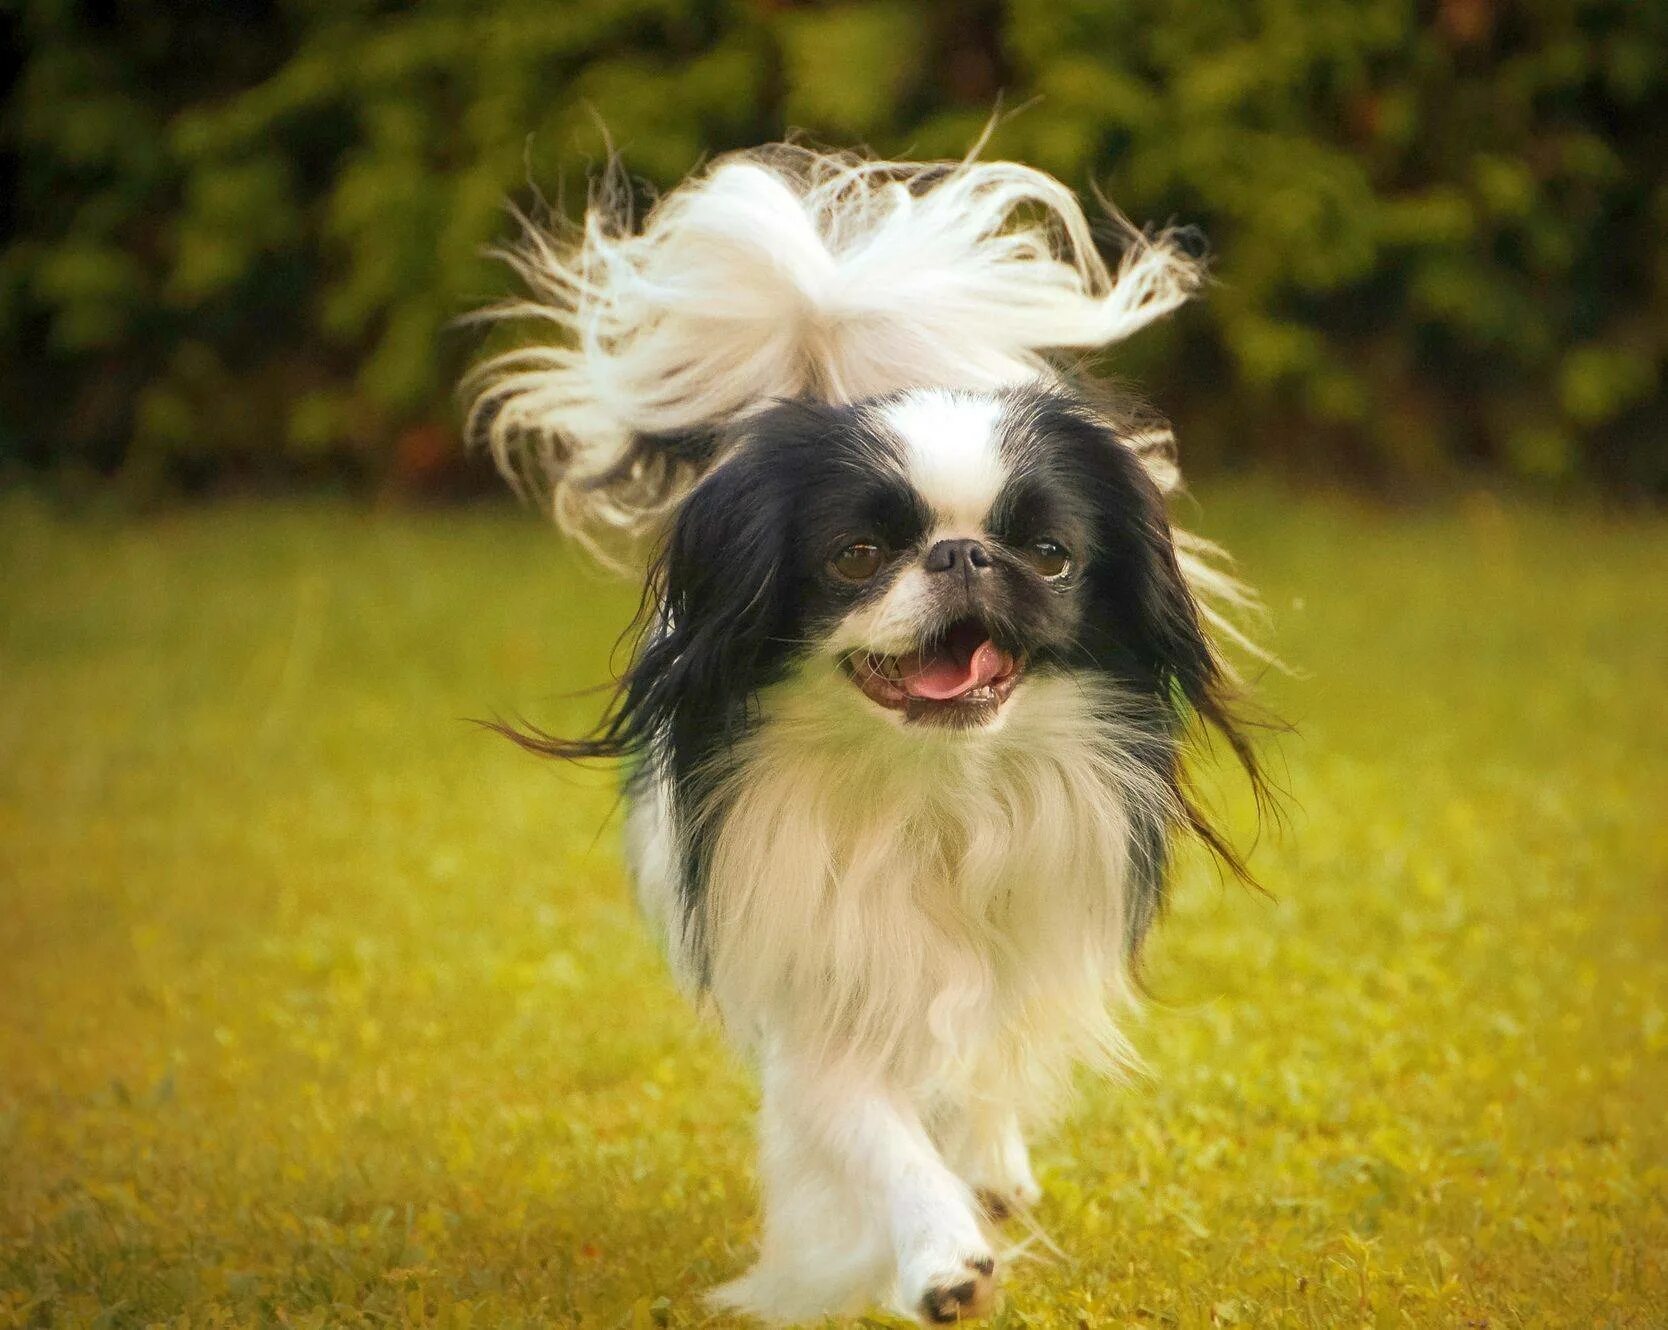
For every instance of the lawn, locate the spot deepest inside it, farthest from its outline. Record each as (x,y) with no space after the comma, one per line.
(321,1007)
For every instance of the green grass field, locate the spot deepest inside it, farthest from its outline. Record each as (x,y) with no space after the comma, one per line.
(320,1007)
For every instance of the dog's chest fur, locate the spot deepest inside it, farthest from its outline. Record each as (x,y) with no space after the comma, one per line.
(945,907)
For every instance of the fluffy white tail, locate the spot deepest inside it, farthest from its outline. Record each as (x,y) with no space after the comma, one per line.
(783,272)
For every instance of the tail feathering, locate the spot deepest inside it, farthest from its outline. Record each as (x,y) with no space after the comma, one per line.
(783,272)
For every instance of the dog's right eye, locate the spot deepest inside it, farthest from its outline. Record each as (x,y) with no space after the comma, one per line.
(1050,558)
(858,561)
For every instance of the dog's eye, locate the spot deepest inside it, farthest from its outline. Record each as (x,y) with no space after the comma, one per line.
(1048,557)
(858,561)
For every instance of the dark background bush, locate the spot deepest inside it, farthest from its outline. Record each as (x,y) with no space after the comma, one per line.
(237,234)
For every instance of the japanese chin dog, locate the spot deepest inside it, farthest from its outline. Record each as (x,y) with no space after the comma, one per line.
(920,653)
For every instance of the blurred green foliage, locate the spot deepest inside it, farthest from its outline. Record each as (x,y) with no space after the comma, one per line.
(239,234)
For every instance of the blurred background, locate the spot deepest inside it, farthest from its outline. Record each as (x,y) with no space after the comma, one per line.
(236,236)
(319,1007)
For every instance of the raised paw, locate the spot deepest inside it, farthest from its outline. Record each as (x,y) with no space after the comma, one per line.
(969,1293)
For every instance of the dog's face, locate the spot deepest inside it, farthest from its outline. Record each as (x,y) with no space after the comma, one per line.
(949,559)
(937,549)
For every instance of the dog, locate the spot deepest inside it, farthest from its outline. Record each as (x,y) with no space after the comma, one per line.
(920,656)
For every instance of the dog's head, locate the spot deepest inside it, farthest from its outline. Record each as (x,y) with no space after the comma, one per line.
(939,549)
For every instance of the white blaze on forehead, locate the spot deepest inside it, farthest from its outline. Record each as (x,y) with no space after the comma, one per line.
(951,454)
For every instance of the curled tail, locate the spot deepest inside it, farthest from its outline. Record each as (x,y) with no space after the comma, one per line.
(784,272)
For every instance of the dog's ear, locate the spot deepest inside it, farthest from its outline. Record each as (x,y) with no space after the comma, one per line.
(1141,587)
(717,625)
(718,621)
(1143,621)
(724,577)
(1149,617)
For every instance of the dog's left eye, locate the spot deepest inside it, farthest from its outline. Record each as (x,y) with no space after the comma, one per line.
(858,561)
(1049,557)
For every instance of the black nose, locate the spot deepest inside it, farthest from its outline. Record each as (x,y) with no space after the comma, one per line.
(953,556)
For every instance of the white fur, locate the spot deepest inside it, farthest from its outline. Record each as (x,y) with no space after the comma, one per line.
(952,454)
(783,271)
(919,932)
(891,623)
(860,1207)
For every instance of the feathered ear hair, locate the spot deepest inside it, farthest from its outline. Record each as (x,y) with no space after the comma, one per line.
(784,272)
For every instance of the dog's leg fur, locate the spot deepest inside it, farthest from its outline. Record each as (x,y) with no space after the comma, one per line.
(820,1251)
(858,1203)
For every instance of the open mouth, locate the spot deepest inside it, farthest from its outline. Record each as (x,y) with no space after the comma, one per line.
(960,678)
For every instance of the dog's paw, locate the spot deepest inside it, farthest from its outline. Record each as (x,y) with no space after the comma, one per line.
(959,1294)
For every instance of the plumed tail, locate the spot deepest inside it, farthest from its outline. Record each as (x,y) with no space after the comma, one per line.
(784,272)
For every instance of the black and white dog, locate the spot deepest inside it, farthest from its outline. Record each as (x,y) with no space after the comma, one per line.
(921,650)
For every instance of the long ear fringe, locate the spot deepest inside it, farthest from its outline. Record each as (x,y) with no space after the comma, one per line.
(1230,610)
(782,272)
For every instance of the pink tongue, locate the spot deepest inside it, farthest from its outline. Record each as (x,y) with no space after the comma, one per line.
(945,675)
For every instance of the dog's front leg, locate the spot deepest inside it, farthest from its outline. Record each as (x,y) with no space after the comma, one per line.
(821,1249)
(942,1268)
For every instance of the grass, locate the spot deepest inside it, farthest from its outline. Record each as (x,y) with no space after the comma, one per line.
(319,1007)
